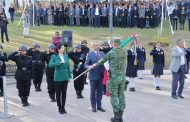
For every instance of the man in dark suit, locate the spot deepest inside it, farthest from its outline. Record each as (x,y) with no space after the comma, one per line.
(95,77)
(116,16)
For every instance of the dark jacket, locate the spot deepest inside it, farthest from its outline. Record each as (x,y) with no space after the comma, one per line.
(3,59)
(158,56)
(24,66)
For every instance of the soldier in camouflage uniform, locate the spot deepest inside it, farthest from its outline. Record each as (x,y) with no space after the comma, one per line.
(117,81)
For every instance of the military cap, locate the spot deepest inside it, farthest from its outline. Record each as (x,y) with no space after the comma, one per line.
(78,46)
(84,42)
(1,46)
(36,45)
(105,44)
(22,48)
(51,46)
(117,41)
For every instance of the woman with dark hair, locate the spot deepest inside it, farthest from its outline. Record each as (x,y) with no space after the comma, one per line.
(158,64)
(62,74)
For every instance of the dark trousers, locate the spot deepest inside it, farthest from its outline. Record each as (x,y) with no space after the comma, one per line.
(4,31)
(104,21)
(23,87)
(182,26)
(12,16)
(123,22)
(78,83)
(1,85)
(116,21)
(96,90)
(175,23)
(189,23)
(61,91)
(50,85)
(129,21)
(97,21)
(83,20)
(91,21)
(141,22)
(178,77)
(37,78)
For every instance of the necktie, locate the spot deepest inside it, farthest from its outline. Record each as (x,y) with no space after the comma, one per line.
(97,54)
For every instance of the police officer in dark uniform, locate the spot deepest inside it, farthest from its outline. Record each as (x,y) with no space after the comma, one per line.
(85,51)
(79,59)
(23,73)
(50,73)
(38,65)
(3,59)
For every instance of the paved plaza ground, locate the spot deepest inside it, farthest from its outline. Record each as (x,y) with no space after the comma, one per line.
(145,105)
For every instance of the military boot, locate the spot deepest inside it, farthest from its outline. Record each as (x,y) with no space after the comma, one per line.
(52,97)
(1,93)
(80,94)
(116,117)
(26,101)
(121,115)
(39,87)
(23,102)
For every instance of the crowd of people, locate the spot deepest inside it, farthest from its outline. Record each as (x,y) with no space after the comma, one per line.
(125,14)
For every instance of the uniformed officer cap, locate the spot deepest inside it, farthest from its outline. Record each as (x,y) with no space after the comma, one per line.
(105,44)
(117,41)
(84,42)
(51,46)
(78,46)
(23,48)
(36,45)
(1,46)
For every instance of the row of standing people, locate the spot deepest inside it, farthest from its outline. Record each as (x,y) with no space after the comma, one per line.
(97,15)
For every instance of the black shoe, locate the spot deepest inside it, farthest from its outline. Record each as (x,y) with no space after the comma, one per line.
(101,109)
(64,111)
(158,88)
(93,110)
(39,89)
(1,94)
(174,96)
(78,97)
(60,111)
(180,96)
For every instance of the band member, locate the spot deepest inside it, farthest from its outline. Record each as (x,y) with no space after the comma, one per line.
(141,57)
(38,65)
(23,73)
(158,64)
(131,71)
(79,59)
(3,59)
(50,73)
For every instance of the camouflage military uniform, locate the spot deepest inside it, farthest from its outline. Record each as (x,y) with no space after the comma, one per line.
(117,81)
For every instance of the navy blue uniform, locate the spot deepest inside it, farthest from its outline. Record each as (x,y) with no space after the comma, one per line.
(23,74)
(3,59)
(38,66)
(159,61)
(141,57)
(131,67)
(50,77)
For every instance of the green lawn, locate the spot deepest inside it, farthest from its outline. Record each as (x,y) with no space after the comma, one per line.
(43,36)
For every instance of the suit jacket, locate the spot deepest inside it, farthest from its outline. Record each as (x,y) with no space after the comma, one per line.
(62,71)
(97,72)
(176,59)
